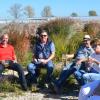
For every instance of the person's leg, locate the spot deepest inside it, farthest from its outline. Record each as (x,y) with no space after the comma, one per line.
(49,74)
(88,77)
(1,69)
(69,65)
(18,68)
(32,73)
(87,90)
(79,76)
(64,75)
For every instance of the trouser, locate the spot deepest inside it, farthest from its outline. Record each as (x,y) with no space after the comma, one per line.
(87,90)
(16,67)
(34,71)
(64,75)
(72,69)
(91,76)
(79,76)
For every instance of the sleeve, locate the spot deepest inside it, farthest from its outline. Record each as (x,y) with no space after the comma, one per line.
(80,54)
(13,54)
(92,56)
(52,47)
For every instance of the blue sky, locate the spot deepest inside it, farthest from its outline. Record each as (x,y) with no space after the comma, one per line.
(58,7)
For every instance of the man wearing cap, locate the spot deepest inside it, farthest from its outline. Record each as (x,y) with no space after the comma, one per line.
(91,91)
(76,65)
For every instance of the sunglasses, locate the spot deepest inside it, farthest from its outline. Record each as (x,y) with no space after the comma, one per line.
(43,35)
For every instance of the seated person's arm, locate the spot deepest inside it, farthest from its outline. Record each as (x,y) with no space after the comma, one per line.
(15,60)
(93,60)
(79,61)
(51,56)
(69,56)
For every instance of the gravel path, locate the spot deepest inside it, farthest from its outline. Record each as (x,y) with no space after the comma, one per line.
(35,96)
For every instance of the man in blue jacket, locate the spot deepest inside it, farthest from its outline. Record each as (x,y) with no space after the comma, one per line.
(43,53)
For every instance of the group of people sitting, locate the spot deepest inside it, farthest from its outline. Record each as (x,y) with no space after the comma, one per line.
(85,64)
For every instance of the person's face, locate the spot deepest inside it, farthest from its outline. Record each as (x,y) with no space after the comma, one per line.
(5,39)
(86,42)
(44,37)
(97,49)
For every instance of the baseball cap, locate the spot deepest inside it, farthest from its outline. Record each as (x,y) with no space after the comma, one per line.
(86,37)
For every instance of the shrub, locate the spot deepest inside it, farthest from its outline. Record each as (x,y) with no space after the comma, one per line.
(21,44)
(63,32)
(60,25)
(92,28)
(7,85)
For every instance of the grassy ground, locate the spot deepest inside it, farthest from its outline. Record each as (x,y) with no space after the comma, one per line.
(9,85)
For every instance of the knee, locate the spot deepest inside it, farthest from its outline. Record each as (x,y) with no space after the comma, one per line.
(85,76)
(31,66)
(18,67)
(49,69)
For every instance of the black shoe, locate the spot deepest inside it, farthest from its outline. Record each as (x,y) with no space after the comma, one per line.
(57,89)
(30,79)
(24,88)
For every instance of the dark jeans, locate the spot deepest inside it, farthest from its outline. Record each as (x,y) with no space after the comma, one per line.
(48,77)
(34,72)
(16,67)
(64,75)
(79,77)
(71,70)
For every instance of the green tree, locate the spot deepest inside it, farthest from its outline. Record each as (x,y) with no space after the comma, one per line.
(29,11)
(16,11)
(74,14)
(92,13)
(46,12)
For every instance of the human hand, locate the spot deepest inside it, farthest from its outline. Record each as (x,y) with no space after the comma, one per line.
(2,62)
(5,63)
(92,60)
(78,62)
(44,61)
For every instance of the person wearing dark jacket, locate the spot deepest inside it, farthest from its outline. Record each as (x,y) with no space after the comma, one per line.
(43,53)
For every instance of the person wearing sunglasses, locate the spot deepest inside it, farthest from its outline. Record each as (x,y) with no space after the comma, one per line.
(76,66)
(91,91)
(43,53)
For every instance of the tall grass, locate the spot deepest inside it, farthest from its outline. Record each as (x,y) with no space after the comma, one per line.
(65,35)
(65,45)
(60,25)
(21,44)
(92,28)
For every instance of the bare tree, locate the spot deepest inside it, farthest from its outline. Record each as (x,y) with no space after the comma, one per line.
(46,12)
(29,11)
(15,11)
